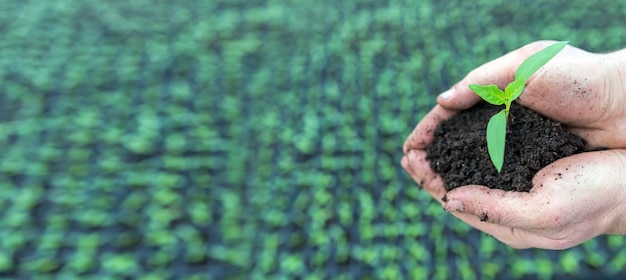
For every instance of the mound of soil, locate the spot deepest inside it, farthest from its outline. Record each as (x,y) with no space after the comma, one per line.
(459,151)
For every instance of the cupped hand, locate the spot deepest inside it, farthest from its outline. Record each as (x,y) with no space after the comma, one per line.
(573,199)
(584,91)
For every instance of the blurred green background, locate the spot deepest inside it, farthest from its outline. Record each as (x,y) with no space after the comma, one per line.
(236,139)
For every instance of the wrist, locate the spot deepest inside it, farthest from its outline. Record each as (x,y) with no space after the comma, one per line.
(615,89)
(618,223)
(619,60)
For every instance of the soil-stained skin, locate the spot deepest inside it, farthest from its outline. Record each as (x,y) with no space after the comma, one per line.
(578,94)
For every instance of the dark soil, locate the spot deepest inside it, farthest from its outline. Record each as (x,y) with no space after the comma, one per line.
(459,151)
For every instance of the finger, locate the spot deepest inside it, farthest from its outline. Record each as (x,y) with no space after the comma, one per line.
(515,237)
(406,165)
(423,135)
(492,205)
(518,238)
(418,168)
(600,138)
(591,137)
(504,234)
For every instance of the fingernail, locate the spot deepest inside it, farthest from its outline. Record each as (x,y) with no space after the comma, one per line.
(447,94)
(454,206)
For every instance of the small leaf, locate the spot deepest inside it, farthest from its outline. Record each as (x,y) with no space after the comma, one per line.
(490,93)
(514,89)
(537,60)
(496,138)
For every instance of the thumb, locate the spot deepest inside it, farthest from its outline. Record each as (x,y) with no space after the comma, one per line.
(499,72)
(489,205)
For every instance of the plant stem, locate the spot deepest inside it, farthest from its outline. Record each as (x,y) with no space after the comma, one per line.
(507,108)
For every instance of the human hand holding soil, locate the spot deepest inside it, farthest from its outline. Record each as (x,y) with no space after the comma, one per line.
(573,199)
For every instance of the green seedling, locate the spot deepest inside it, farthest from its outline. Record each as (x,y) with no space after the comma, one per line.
(497,126)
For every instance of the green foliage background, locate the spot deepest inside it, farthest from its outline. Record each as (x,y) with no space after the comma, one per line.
(253,138)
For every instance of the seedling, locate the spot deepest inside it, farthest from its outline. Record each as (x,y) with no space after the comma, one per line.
(496,128)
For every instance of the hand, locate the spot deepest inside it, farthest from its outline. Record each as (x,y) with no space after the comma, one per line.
(585,92)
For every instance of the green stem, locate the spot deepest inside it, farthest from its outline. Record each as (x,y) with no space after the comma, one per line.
(506,109)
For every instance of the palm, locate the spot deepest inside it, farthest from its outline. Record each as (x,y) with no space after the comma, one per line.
(566,207)
(581,100)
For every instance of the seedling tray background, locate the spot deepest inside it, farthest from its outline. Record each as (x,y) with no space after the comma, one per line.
(253,139)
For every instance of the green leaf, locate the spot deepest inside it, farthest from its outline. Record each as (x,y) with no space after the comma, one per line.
(490,93)
(496,138)
(514,90)
(537,60)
